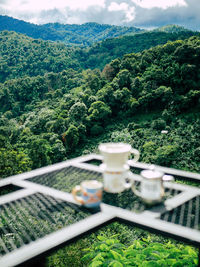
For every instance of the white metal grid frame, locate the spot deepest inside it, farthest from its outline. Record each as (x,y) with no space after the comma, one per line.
(155,219)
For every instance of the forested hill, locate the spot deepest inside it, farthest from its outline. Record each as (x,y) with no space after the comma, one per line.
(103,52)
(90,33)
(22,56)
(171,28)
(71,34)
(46,119)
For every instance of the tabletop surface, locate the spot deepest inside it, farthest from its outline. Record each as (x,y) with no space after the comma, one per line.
(38,212)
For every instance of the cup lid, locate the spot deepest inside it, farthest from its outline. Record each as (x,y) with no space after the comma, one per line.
(114,147)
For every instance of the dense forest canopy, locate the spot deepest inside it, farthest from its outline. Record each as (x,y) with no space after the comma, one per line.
(56,115)
(23,56)
(101,53)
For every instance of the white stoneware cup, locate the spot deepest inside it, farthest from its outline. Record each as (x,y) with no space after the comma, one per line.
(115,155)
(116,181)
(115,168)
(90,193)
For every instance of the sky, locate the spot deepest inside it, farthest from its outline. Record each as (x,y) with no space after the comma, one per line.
(139,13)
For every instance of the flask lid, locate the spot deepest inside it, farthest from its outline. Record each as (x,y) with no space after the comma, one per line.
(152,174)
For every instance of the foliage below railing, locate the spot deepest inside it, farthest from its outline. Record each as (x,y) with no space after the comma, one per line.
(145,253)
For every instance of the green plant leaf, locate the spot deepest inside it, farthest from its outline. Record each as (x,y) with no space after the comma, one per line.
(151,264)
(161,262)
(115,264)
(191,251)
(138,244)
(104,247)
(157,246)
(156,256)
(89,255)
(148,239)
(96,264)
(170,262)
(130,253)
(148,250)
(177,264)
(112,241)
(116,255)
(101,238)
(165,255)
(99,257)
(140,256)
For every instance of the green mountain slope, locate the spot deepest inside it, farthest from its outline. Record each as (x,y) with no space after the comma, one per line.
(82,35)
(171,28)
(89,33)
(45,119)
(21,55)
(103,52)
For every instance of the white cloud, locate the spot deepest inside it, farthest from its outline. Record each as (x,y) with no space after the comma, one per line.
(39,5)
(117,7)
(44,11)
(164,4)
(140,13)
(84,4)
(124,7)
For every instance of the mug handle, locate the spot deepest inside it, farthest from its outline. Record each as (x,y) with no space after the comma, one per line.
(75,190)
(130,184)
(136,154)
(136,192)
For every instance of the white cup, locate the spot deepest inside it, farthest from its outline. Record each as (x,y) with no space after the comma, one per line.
(115,168)
(116,181)
(115,155)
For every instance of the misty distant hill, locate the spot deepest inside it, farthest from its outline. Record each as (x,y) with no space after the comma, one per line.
(171,28)
(71,34)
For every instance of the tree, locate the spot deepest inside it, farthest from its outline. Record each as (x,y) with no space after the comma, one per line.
(93,79)
(165,155)
(71,138)
(78,112)
(58,152)
(122,98)
(40,153)
(106,94)
(136,86)
(99,111)
(123,78)
(158,124)
(108,72)
(13,162)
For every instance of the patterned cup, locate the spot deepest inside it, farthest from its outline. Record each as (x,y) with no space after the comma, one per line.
(90,193)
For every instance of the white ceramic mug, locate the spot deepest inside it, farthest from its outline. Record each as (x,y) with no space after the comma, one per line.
(115,155)
(91,193)
(115,168)
(116,181)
